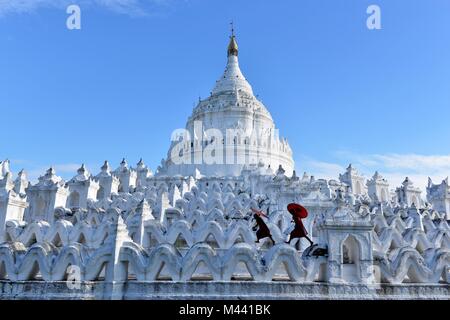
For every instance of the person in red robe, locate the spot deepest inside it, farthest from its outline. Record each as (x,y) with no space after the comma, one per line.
(261,228)
(298,213)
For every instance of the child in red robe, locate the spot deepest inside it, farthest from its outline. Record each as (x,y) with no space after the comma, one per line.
(298,213)
(262,228)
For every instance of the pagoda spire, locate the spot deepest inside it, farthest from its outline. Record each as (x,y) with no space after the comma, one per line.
(232,80)
(233,46)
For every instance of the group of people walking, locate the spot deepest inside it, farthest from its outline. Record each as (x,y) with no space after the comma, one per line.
(298,213)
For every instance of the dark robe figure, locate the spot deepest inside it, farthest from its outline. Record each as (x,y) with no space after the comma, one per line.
(298,213)
(261,228)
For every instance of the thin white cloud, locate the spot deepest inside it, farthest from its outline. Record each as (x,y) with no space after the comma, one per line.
(129,7)
(67,168)
(415,162)
(28,6)
(395,167)
(66,171)
(321,169)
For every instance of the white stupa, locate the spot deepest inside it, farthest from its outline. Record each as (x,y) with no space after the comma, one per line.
(234,123)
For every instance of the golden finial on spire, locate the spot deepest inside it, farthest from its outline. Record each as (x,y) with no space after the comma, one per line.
(232,47)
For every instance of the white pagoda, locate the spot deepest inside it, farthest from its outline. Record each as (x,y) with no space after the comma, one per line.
(186,231)
(234,124)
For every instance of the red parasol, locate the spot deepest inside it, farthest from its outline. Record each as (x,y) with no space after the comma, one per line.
(259,213)
(297,210)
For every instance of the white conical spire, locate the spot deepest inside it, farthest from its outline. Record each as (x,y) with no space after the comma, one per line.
(232,79)
(106,167)
(5,167)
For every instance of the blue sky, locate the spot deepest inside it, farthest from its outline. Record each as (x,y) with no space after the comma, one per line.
(119,86)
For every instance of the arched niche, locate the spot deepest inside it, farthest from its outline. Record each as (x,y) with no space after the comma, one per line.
(74,200)
(350,260)
(40,207)
(384,196)
(101,193)
(358,187)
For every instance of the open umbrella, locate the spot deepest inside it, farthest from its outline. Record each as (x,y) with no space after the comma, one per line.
(259,213)
(297,210)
